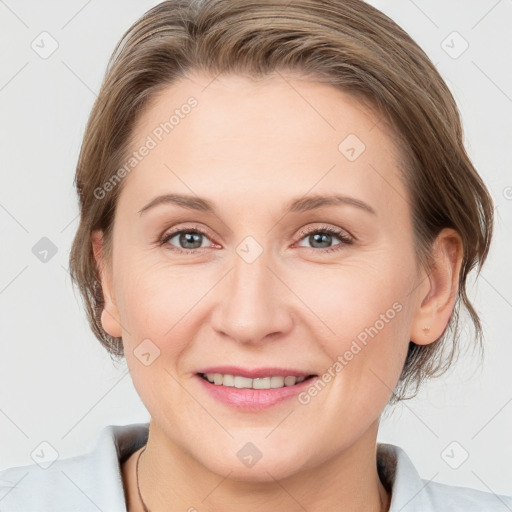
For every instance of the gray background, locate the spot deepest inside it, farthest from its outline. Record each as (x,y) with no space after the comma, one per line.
(57,383)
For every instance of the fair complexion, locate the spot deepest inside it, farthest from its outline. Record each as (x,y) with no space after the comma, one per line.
(250,148)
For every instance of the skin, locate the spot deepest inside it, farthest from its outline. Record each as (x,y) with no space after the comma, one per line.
(250,147)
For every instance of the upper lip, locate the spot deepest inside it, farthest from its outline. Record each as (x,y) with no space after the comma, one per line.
(254,373)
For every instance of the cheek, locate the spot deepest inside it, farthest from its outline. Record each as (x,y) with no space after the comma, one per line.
(158,300)
(356,295)
(160,303)
(366,312)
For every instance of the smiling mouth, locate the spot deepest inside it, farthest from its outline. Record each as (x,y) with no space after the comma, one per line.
(237,381)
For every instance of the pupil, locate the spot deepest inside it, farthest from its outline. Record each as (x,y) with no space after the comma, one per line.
(321,238)
(191,238)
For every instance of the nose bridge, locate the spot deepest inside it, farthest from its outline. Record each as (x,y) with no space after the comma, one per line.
(251,306)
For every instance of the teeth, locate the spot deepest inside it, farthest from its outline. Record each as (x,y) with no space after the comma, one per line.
(276,382)
(243,382)
(227,380)
(289,381)
(259,383)
(263,383)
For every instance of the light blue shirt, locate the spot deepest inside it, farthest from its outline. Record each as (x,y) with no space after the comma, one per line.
(93,482)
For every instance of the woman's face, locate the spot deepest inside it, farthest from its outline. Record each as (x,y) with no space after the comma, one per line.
(253,285)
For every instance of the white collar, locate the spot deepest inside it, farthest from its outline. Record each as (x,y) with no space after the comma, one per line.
(93,481)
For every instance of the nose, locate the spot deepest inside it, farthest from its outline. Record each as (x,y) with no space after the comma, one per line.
(253,304)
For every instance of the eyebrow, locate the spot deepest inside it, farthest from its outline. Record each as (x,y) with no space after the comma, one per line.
(298,205)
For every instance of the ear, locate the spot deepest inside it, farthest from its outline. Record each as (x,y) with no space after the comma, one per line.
(110,319)
(438,291)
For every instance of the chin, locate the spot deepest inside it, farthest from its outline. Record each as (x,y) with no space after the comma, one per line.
(261,472)
(249,464)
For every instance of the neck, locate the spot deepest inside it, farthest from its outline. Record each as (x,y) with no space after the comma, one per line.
(347,482)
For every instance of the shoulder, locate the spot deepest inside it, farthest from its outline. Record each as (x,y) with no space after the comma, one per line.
(465,498)
(411,493)
(32,487)
(91,481)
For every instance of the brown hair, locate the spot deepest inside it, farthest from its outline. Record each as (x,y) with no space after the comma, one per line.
(345,43)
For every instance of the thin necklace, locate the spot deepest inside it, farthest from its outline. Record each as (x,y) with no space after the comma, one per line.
(137,480)
(384,505)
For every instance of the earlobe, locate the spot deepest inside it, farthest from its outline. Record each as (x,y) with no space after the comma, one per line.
(439,289)
(110,323)
(110,313)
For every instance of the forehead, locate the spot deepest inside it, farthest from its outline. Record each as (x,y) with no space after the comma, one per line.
(235,136)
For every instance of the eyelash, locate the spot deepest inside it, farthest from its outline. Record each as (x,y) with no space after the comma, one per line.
(345,239)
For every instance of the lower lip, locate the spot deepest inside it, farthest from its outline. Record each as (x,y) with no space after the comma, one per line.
(249,399)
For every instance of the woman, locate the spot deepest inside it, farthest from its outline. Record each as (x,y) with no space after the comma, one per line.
(278,218)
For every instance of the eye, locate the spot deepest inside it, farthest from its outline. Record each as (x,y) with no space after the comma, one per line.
(321,238)
(188,240)
(185,240)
